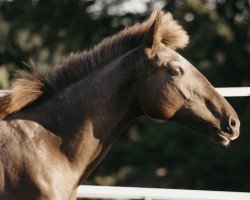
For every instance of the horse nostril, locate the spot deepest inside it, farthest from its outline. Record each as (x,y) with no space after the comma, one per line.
(232,128)
(232,123)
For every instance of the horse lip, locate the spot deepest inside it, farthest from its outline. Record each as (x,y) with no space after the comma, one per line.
(229,136)
(221,138)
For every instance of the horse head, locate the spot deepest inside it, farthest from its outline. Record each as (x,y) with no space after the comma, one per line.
(173,89)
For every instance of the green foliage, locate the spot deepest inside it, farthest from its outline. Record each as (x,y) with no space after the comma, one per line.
(151,154)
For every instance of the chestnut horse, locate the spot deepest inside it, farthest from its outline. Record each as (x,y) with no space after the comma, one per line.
(57,127)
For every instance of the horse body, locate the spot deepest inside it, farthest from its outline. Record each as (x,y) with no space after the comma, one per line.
(66,146)
(57,133)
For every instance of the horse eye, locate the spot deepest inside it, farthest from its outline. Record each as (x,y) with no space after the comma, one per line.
(176,71)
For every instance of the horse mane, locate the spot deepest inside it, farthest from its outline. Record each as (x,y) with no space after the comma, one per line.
(31,87)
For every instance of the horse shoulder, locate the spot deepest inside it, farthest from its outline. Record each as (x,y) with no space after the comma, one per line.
(24,143)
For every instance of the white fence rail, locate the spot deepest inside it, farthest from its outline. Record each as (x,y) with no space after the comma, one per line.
(108,192)
(234,91)
(112,192)
(224,91)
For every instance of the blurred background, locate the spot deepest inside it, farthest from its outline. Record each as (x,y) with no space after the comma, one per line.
(149,153)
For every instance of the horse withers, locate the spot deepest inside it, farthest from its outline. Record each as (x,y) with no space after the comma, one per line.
(56,127)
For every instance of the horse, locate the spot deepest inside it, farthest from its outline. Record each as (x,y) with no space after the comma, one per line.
(56,127)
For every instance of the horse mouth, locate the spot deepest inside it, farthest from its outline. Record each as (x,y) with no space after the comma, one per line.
(222,138)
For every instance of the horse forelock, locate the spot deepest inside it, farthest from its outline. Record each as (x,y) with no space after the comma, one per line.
(173,34)
(30,87)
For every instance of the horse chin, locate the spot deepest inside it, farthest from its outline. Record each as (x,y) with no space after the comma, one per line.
(221,139)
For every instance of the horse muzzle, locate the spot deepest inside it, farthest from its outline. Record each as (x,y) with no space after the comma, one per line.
(230,131)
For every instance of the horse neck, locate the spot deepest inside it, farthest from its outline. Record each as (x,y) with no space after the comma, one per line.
(91,114)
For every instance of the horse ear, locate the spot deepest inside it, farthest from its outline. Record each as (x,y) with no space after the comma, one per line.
(153,37)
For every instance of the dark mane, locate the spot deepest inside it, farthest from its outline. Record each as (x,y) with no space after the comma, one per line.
(30,87)
(78,65)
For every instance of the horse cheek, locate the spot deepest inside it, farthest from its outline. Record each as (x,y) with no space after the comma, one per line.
(154,104)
